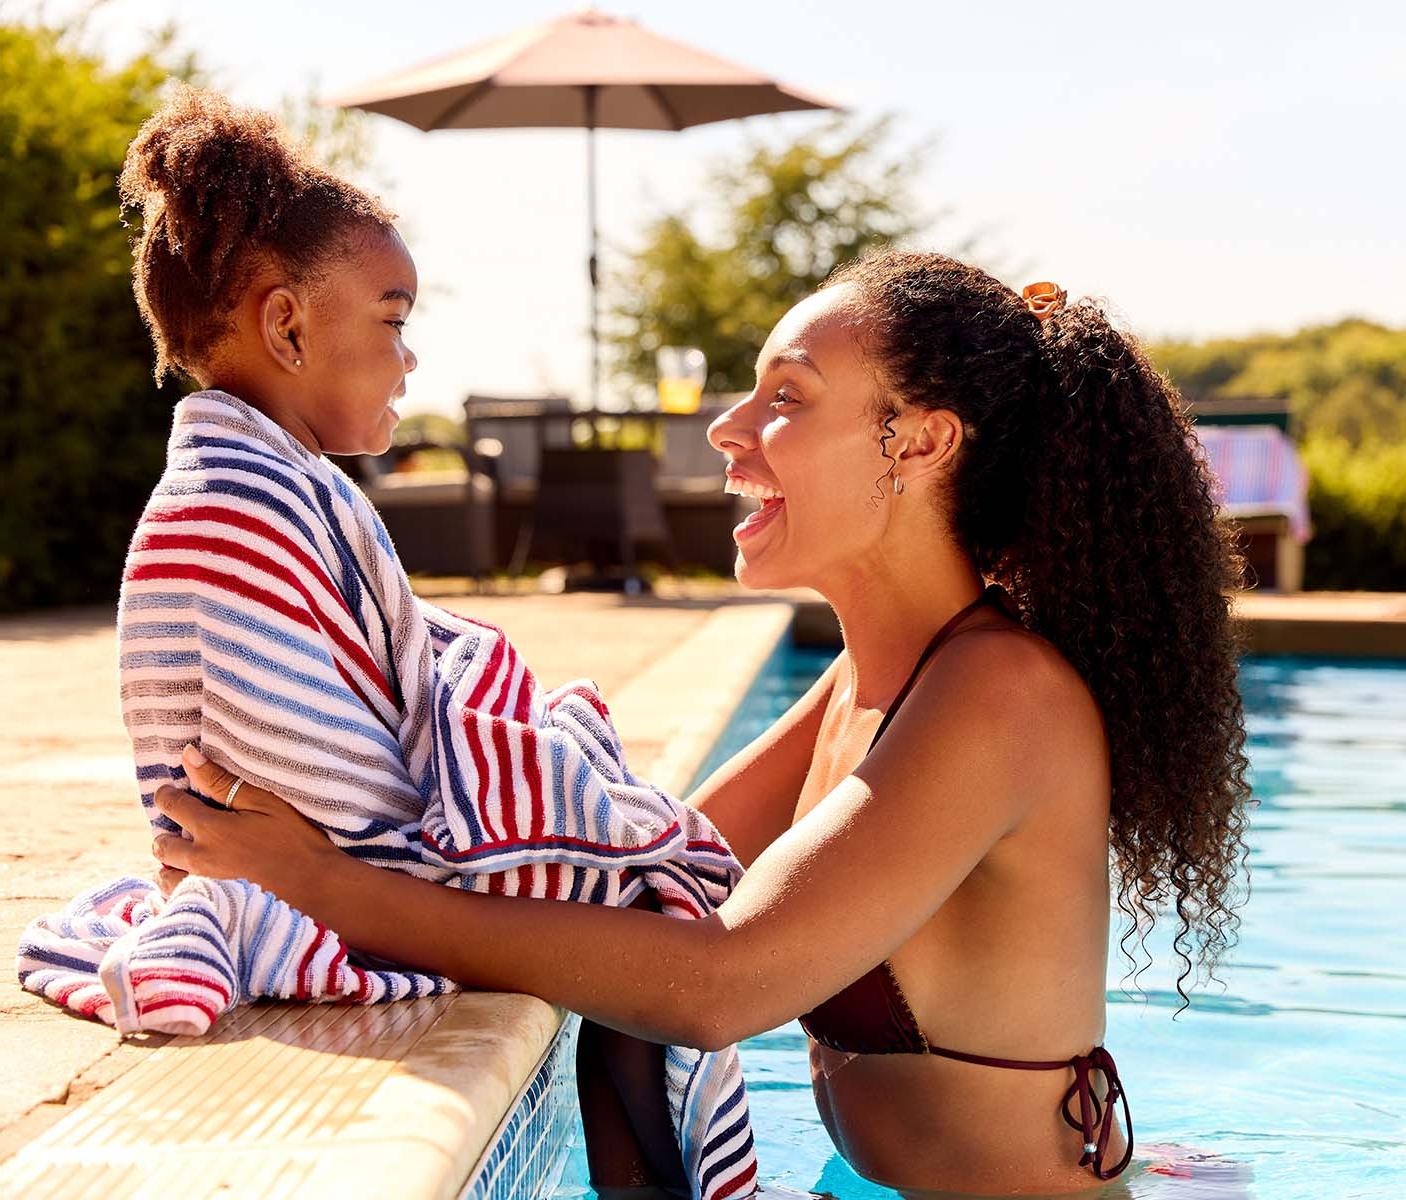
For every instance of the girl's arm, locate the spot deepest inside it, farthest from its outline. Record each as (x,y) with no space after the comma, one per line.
(829,899)
(752,797)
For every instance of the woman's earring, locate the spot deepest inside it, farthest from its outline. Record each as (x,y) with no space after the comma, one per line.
(898,485)
(297,362)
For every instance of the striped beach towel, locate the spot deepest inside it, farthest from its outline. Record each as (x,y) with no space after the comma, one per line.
(264,617)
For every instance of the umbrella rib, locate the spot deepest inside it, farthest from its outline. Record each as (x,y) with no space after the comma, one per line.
(668,109)
(460,103)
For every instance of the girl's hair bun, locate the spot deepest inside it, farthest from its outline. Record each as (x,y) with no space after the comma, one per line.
(218,184)
(217,176)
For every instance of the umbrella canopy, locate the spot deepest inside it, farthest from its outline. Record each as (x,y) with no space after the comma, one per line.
(539,78)
(587,70)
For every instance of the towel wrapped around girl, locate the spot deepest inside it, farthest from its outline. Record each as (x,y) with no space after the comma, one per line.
(266,619)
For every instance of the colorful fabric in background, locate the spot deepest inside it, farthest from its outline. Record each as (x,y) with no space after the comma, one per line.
(265,618)
(1258,471)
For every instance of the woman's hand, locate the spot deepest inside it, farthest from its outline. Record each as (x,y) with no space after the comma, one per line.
(262,838)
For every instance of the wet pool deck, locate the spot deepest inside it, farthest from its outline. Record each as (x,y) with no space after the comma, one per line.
(671,667)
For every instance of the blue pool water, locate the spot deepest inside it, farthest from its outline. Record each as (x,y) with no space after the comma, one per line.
(1289,1081)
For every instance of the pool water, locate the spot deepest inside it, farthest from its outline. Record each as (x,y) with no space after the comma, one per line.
(1287,1082)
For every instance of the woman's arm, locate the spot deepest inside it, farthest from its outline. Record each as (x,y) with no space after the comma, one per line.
(752,797)
(829,899)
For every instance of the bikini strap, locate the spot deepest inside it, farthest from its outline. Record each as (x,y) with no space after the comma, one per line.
(995,594)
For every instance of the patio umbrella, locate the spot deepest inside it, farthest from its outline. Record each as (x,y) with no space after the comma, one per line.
(588,70)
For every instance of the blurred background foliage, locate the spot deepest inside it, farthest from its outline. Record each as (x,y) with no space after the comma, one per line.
(783,218)
(1357,501)
(1345,381)
(83,427)
(1346,387)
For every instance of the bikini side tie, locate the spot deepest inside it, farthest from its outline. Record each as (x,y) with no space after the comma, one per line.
(1092,1112)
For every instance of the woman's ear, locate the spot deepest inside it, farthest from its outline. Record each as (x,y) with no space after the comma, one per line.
(283,327)
(932,447)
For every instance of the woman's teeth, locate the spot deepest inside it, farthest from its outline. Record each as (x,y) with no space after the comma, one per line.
(742,487)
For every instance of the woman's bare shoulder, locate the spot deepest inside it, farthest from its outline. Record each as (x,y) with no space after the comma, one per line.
(1018,677)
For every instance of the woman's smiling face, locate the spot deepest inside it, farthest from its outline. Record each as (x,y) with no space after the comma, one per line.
(806,442)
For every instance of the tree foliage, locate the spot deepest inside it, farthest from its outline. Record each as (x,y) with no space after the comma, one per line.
(1343,381)
(1357,499)
(82,427)
(785,217)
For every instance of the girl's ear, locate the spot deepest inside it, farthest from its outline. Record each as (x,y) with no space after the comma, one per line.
(282,327)
(933,444)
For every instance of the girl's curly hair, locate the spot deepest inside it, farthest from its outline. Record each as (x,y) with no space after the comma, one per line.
(222,189)
(1078,487)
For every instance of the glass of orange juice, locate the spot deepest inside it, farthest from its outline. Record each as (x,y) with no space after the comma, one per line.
(682,372)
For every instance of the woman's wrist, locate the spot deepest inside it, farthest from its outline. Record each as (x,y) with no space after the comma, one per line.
(311,882)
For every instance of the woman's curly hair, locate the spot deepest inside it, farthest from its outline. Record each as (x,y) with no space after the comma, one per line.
(222,189)
(1078,487)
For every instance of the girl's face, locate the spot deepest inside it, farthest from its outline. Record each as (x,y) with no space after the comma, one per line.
(806,442)
(355,359)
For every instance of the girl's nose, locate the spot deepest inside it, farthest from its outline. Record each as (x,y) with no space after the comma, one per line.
(732,430)
(411,361)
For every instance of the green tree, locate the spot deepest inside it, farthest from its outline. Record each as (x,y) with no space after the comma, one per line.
(1357,500)
(82,427)
(338,138)
(1345,381)
(786,217)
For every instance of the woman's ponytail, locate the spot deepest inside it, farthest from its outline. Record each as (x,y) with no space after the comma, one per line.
(1122,565)
(1079,488)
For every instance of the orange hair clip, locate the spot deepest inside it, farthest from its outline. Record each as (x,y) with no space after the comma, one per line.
(1043,299)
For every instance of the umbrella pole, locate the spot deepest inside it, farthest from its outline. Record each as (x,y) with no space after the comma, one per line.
(594,267)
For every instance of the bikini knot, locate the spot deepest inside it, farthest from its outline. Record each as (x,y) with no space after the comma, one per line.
(1094,1113)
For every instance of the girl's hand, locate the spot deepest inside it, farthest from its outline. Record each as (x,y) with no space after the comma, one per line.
(168,878)
(262,838)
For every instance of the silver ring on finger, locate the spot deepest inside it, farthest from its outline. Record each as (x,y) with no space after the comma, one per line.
(233,792)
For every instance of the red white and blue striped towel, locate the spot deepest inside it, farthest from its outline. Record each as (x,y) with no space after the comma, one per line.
(265,617)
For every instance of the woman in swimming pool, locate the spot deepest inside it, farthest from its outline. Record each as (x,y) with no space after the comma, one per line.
(928,831)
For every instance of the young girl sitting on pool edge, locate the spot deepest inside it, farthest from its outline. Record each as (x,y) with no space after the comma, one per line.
(928,831)
(283,291)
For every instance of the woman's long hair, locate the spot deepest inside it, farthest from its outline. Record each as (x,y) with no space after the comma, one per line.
(1079,489)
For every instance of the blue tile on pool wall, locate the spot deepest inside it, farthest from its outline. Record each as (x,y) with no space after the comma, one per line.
(527,1156)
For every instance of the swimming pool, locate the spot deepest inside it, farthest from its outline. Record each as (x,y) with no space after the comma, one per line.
(1292,1077)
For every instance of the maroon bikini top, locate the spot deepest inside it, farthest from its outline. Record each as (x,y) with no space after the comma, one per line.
(872,1015)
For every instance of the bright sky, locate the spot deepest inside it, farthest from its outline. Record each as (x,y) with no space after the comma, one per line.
(1210,168)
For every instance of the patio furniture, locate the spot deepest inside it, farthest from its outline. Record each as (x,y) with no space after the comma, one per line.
(441,522)
(598,506)
(698,516)
(1263,489)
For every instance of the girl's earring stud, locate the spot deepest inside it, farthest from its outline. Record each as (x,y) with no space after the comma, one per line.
(297,362)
